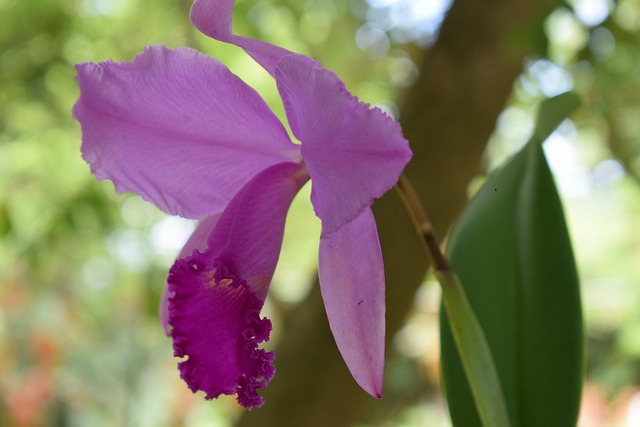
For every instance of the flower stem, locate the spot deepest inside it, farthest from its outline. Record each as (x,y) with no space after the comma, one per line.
(423,224)
(468,335)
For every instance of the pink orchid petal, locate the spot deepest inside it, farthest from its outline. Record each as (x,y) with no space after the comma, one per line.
(353,289)
(216,296)
(214,19)
(197,240)
(248,237)
(353,153)
(178,128)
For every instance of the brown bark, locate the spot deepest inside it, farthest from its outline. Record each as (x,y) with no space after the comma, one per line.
(448,115)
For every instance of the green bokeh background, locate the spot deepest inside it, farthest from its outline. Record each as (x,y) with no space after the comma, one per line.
(82,269)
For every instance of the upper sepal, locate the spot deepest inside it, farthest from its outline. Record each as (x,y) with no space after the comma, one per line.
(214,19)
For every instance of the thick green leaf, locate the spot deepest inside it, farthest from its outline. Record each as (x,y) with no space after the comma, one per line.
(512,252)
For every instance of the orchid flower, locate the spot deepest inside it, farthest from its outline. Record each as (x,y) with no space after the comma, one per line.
(178,128)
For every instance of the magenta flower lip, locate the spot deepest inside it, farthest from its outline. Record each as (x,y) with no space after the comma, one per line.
(178,128)
(197,286)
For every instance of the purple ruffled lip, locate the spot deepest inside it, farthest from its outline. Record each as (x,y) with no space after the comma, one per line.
(216,294)
(227,360)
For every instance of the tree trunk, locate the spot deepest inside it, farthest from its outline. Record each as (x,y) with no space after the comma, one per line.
(448,116)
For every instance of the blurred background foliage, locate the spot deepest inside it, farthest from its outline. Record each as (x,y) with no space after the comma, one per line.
(82,269)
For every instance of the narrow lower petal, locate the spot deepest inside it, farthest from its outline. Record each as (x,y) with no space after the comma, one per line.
(353,153)
(178,128)
(197,241)
(214,19)
(216,295)
(353,289)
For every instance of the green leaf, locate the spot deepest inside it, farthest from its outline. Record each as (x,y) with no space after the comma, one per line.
(553,111)
(512,253)
(471,342)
